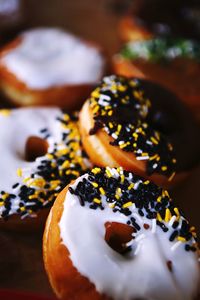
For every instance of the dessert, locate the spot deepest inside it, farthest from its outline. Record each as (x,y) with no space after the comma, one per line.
(140,126)
(114,235)
(171,62)
(41,152)
(48,66)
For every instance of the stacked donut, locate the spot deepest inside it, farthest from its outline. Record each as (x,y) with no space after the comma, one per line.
(113,231)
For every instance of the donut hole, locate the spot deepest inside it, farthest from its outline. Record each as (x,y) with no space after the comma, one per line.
(35,147)
(117,235)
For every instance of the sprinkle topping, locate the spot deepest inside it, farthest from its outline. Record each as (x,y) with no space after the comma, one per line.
(162,49)
(138,199)
(38,187)
(120,107)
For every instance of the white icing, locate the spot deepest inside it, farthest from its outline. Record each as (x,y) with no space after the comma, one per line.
(14,132)
(48,57)
(144,274)
(15,129)
(8,7)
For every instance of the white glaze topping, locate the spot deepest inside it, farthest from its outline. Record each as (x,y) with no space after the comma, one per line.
(144,273)
(50,124)
(48,57)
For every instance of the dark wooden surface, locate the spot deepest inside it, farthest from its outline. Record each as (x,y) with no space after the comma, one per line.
(21,265)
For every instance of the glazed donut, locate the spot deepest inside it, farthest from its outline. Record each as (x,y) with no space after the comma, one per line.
(173,63)
(114,235)
(161,18)
(41,152)
(136,124)
(48,66)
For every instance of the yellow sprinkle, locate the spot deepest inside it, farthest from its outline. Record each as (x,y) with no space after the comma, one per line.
(147,182)
(31,196)
(110,125)
(164,168)
(133,83)
(65,164)
(159,218)
(122,178)
(62,152)
(153,157)
(22,208)
(107,107)
(66,117)
(135,135)
(95,110)
(5,112)
(38,182)
(181,239)
(122,145)
(119,127)
(131,186)
(26,179)
(110,113)
(108,173)
(124,101)
(144,154)
(96,170)
(49,156)
(167,215)
(19,172)
(117,196)
(154,140)
(137,94)
(4,196)
(102,191)
(134,145)
(166,193)
(96,200)
(95,184)
(158,158)
(127,204)
(159,199)
(55,182)
(157,135)
(95,94)
(111,205)
(172,176)
(121,88)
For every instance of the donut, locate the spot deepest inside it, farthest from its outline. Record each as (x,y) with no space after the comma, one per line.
(41,152)
(140,126)
(171,62)
(113,235)
(178,18)
(48,66)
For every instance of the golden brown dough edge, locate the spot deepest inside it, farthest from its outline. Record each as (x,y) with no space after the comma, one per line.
(66,281)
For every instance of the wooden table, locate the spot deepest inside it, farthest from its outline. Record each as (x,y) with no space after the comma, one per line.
(21,265)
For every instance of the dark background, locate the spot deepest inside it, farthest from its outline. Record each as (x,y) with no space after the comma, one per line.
(21,265)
